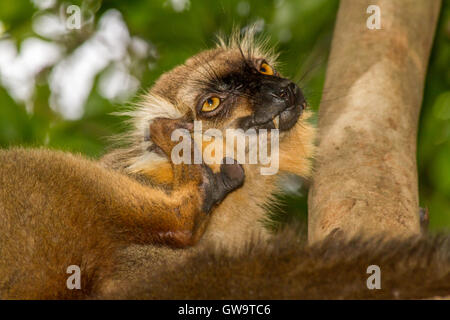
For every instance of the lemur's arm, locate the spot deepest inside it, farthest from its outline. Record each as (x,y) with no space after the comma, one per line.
(58,188)
(74,211)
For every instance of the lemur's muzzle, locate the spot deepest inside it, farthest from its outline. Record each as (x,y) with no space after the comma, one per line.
(278,104)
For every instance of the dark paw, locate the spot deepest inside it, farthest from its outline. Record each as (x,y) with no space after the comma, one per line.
(218,185)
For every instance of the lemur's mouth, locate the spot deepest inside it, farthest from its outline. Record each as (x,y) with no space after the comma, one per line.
(282,121)
(289,117)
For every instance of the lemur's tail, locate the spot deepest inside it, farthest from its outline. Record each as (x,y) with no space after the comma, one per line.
(288,269)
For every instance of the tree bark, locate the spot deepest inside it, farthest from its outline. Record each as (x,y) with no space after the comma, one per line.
(365,181)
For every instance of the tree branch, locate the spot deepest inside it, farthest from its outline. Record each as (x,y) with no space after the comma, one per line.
(366,176)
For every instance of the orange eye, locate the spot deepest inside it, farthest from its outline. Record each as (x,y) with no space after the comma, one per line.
(210,104)
(266,69)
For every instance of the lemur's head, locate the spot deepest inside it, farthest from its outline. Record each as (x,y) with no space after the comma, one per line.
(234,86)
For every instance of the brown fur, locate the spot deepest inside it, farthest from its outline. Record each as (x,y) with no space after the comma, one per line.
(286,268)
(58,210)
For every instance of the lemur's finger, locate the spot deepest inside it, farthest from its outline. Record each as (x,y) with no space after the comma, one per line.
(231,175)
(218,185)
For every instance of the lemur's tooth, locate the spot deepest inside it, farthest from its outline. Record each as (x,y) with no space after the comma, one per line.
(276,121)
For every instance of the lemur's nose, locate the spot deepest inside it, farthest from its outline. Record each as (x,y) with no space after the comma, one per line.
(288,92)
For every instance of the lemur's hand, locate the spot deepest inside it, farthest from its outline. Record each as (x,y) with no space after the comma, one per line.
(218,185)
(213,186)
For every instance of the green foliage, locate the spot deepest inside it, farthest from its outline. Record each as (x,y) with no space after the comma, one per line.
(434,129)
(302,30)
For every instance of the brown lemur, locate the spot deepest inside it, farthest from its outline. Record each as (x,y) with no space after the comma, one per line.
(140,226)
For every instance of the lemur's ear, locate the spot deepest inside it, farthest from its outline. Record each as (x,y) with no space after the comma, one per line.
(140,154)
(186,122)
(151,107)
(160,131)
(142,113)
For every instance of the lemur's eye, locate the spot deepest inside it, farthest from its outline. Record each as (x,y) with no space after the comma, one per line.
(210,104)
(266,69)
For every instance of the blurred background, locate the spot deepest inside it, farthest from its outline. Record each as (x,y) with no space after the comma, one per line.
(66,66)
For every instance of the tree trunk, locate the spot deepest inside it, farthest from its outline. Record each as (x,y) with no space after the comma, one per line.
(366,177)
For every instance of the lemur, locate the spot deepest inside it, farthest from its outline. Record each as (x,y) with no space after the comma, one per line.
(141,226)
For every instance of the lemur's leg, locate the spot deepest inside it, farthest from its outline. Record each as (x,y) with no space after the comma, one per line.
(179,217)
